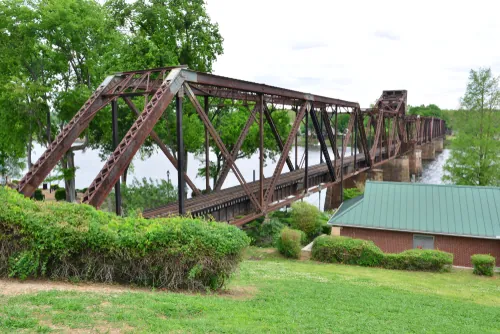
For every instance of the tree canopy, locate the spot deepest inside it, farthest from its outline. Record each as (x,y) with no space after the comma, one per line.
(475,155)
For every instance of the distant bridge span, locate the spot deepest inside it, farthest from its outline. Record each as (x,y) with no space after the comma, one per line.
(380,134)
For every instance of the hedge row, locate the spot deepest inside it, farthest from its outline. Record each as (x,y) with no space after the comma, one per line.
(64,240)
(365,253)
(484,264)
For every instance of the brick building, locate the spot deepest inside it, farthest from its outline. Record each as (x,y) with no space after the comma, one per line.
(398,216)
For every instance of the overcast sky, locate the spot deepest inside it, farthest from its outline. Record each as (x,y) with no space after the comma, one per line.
(355,49)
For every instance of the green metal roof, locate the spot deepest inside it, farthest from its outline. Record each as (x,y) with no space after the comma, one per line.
(426,208)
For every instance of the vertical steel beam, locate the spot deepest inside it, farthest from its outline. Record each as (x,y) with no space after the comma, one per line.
(207,149)
(355,139)
(306,152)
(261,150)
(114,121)
(321,131)
(180,151)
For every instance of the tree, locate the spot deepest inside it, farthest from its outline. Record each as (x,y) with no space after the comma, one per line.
(475,155)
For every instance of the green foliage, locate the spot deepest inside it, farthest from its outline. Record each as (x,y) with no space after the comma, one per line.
(346,250)
(60,194)
(63,240)
(352,193)
(430,110)
(54,187)
(264,234)
(306,218)
(419,259)
(484,264)
(289,242)
(475,154)
(143,194)
(38,195)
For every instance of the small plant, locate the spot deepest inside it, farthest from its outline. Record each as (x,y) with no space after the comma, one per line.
(290,242)
(352,193)
(60,194)
(306,218)
(484,264)
(38,195)
(264,234)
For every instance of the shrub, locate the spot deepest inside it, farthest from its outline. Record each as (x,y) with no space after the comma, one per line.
(289,243)
(38,195)
(65,240)
(335,249)
(351,193)
(306,217)
(484,264)
(326,229)
(419,259)
(264,234)
(60,194)
(54,187)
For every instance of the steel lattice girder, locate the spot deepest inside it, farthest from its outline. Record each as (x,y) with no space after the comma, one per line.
(163,84)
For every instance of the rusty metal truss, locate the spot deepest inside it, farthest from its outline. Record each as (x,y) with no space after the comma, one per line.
(376,134)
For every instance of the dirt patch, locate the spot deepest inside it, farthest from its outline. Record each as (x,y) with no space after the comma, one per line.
(240,292)
(14,287)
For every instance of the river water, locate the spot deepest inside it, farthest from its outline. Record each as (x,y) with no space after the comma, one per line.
(156,167)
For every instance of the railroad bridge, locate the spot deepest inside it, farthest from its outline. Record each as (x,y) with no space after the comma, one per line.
(384,140)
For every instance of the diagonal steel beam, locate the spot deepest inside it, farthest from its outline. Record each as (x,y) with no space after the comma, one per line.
(350,126)
(286,150)
(362,137)
(236,148)
(162,146)
(221,146)
(39,171)
(329,133)
(322,143)
(135,137)
(277,136)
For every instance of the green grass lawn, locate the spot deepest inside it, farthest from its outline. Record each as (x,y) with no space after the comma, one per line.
(270,294)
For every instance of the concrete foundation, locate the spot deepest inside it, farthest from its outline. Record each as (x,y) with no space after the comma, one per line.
(397,170)
(428,151)
(376,175)
(415,161)
(438,145)
(333,197)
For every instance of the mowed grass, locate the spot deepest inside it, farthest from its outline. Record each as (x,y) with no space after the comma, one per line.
(271,294)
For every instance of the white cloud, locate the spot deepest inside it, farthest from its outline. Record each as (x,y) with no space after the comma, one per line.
(355,49)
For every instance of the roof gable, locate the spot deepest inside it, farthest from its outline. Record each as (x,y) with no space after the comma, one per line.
(428,208)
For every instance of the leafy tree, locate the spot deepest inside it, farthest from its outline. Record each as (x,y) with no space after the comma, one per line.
(475,155)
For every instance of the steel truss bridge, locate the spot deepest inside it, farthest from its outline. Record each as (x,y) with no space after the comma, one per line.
(380,133)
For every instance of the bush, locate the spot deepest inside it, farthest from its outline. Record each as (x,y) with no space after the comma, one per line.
(307,218)
(264,234)
(484,264)
(54,187)
(290,242)
(337,249)
(419,259)
(76,241)
(60,194)
(351,193)
(38,195)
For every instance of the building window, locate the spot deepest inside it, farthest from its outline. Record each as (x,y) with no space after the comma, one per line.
(423,241)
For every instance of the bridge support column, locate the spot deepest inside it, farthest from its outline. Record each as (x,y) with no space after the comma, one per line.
(333,197)
(428,151)
(397,170)
(415,160)
(438,144)
(376,175)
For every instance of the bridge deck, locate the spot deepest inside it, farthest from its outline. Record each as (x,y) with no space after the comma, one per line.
(198,204)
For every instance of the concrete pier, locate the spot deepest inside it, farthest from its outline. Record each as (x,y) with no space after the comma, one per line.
(415,161)
(397,170)
(428,151)
(438,144)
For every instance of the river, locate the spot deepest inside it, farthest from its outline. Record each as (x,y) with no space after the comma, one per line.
(156,167)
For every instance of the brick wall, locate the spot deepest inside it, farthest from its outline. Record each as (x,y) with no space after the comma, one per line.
(395,242)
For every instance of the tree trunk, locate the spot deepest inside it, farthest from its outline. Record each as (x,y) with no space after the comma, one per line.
(69,184)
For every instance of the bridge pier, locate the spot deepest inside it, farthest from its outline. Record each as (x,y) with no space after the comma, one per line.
(397,169)
(438,144)
(415,161)
(428,151)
